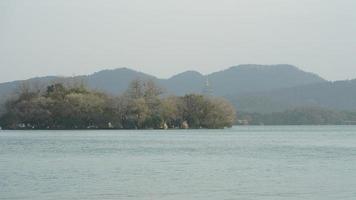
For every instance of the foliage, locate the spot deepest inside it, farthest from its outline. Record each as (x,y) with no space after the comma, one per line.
(299,116)
(140,107)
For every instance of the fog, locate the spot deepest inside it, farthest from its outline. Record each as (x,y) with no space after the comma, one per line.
(164,37)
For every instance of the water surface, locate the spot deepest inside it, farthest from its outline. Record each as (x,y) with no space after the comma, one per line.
(290,162)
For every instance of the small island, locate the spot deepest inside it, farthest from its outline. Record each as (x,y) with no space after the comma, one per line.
(143,106)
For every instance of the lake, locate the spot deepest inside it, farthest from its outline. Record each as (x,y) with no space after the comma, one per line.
(287,162)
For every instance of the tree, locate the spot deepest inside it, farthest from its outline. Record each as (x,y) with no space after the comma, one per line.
(169,112)
(219,114)
(193,109)
(141,107)
(137,113)
(135,89)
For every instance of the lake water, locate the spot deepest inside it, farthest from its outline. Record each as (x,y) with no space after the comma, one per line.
(291,162)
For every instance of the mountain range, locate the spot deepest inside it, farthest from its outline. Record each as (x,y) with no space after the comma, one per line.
(251,88)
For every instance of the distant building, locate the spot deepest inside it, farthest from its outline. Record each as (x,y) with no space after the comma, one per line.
(207,90)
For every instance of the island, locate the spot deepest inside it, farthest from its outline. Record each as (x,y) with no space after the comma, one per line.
(142,106)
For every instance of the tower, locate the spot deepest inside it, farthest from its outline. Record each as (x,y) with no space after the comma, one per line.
(207,90)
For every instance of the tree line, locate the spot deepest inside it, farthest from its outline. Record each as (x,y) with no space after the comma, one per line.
(142,106)
(299,116)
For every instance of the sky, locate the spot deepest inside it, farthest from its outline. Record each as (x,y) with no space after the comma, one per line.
(165,37)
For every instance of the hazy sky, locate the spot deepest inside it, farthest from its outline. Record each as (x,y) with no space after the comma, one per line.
(163,37)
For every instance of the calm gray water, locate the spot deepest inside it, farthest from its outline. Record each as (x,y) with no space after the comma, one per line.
(239,163)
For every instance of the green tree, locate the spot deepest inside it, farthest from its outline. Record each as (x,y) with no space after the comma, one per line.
(141,107)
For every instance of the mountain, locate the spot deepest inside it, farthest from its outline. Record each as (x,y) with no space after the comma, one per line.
(338,95)
(257,78)
(8,88)
(183,83)
(237,83)
(235,80)
(110,81)
(115,81)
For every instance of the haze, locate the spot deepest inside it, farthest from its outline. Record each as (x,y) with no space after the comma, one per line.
(164,37)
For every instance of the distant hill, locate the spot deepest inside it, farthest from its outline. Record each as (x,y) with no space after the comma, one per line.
(109,81)
(257,78)
(114,81)
(338,95)
(8,88)
(260,88)
(183,83)
(235,80)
